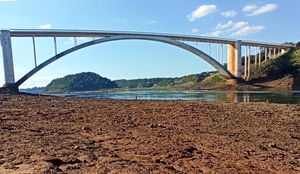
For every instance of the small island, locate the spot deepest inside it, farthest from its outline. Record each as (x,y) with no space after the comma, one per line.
(85,81)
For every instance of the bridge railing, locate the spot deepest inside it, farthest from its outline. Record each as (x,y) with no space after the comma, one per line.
(107,33)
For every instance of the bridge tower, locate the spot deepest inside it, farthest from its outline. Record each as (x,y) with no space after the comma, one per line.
(234,60)
(8,60)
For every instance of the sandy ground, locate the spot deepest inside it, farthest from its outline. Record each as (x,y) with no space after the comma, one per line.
(74,135)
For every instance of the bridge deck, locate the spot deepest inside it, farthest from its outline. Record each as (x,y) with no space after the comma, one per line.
(105,33)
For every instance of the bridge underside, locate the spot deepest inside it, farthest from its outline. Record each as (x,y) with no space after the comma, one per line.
(187,47)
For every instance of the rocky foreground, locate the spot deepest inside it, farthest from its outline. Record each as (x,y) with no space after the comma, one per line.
(75,135)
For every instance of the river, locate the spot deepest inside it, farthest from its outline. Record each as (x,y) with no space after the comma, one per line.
(286,97)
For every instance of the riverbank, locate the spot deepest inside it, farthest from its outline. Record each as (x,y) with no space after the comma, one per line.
(276,85)
(213,82)
(286,83)
(44,134)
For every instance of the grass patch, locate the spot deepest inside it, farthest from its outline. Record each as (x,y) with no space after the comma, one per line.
(214,79)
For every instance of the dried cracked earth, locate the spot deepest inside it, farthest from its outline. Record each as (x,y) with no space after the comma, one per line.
(75,135)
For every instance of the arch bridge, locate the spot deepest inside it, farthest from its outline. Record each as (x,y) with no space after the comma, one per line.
(231,73)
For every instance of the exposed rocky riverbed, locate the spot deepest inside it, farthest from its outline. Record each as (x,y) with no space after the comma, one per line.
(75,135)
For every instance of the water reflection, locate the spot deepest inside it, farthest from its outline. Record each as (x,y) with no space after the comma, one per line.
(292,97)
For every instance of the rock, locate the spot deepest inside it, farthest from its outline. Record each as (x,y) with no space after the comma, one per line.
(72,161)
(156,126)
(84,158)
(156,160)
(92,142)
(263,148)
(151,125)
(55,161)
(162,126)
(273,145)
(86,128)
(3,99)
(2,161)
(297,168)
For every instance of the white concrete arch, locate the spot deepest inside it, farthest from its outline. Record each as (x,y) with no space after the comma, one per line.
(187,47)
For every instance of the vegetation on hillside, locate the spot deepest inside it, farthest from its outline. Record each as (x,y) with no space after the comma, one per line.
(85,81)
(163,82)
(286,65)
(298,45)
(214,79)
(91,82)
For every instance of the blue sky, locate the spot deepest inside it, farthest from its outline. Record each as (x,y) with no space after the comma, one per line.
(271,21)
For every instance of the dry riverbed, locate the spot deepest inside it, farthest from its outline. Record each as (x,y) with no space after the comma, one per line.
(75,135)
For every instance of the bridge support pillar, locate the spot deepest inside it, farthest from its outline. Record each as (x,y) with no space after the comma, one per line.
(7,60)
(234,58)
(231,81)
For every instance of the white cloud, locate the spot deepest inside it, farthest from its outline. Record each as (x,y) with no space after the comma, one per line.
(231,27)
(236,29)
(152,22)
(264,9)
(222,26)
(47,26)
(248,30)
(238,25)
(202,11)
(195,30)
(249,8)
(229,13)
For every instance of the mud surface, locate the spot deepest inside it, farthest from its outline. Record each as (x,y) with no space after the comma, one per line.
(73,135)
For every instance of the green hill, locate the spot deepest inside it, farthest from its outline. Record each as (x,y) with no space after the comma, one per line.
(85,81)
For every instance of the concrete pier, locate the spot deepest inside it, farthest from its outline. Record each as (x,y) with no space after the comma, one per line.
(234,58)
(7,59)
(231,81)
